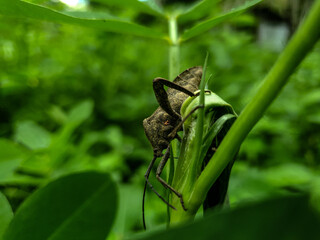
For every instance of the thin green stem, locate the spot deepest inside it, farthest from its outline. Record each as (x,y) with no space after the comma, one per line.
(174,68)
(300,44)
(200,120)
(191,160)
(174,48)
(174,60)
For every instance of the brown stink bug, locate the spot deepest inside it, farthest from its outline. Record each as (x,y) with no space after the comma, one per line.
(162,126)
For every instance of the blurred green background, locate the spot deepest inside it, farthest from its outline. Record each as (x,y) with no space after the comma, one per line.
(73,99)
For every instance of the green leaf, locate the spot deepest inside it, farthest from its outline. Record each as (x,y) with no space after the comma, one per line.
(312,98)
(78,206)
(212,101)
(6,214)
(61,140)
(32,135)
(11,155)
(213,132)
(287,218)
(210,23)
(89,15)
(139,6)
(23,9)
(314,118)
(289,174)
(198,10)
(81,112)
(129,215)
(9,150)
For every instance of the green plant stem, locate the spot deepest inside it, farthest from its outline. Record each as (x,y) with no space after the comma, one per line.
(300,44)
(174,48)
(174,67)
(200,120)
(174,59)
(191,160)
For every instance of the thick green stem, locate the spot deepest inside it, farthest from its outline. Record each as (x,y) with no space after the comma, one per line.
(174,60)
(189,158)
(174,48)
(300,44)
(174,64)
(174,68)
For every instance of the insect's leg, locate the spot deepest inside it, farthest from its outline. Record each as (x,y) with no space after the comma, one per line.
(162,96)
(149,183)
(162,81)
(176,129)
(164,183)
(143,200)
(166,155)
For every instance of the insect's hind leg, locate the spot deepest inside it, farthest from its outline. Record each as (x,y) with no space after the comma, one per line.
(166,155)
(160,168)
(162,96)
(160,82)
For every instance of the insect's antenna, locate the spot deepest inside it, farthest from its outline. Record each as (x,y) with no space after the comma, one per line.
(145,188)
(143,198)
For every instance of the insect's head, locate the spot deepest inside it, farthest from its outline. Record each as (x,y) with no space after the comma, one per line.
(157,128)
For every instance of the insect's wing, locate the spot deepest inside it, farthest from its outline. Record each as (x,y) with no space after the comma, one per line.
(190,78)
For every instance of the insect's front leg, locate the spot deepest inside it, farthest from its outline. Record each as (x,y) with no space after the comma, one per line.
(160,168)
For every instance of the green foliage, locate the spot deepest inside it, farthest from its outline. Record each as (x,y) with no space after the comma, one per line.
(6,214)
(11,156)
(137,6)
(19,8)
(198,10)
(32,136)
(78,206)
(210,23)
(217,119)
(72,99)
(281,218)
(23,9)
(277,77)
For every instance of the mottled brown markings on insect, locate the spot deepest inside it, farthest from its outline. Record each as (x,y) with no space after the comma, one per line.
(155,128)
(162,126)
(157,131)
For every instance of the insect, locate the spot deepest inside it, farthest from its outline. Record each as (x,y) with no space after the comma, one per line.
(162,126)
